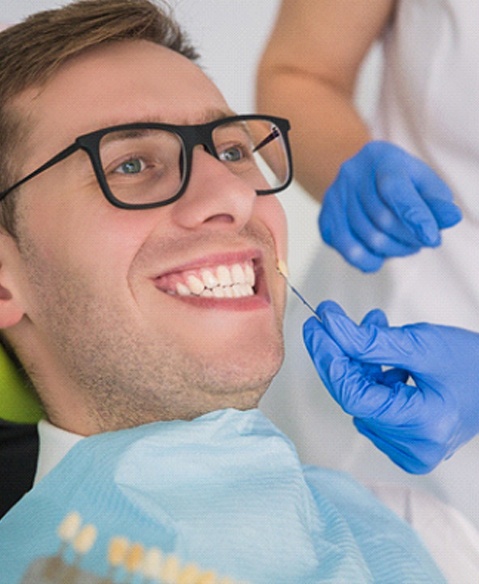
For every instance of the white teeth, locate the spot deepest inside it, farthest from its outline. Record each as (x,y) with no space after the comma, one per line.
(195,284)
(224,276)
(182,290)
(209,279)
(219,292)
(238,274)
(234,281)
(246,290)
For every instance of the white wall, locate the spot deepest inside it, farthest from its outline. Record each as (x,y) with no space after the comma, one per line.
(230,35)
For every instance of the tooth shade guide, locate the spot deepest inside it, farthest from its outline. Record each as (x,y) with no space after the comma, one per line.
(209,578)
(282,268)
(189,574)
(117,551)
(134,557)
(171,570)
(85,539)
(128,562)
(69,527)
(152,564)
(67,531)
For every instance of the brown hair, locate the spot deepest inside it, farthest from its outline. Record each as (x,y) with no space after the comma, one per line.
(31,52)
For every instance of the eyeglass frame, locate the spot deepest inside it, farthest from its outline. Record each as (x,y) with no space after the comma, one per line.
(190,137)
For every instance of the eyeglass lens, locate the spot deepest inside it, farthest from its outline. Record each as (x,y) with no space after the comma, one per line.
(144,166)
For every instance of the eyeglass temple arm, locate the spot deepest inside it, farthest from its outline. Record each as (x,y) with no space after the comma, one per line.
(59,157)
(275,133)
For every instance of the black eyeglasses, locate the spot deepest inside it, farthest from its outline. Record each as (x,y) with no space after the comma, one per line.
(146,165)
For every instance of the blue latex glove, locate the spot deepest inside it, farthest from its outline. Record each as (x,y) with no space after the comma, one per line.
(385,203)
(417,424)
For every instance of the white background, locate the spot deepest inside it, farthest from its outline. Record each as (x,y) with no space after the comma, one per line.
(230,35)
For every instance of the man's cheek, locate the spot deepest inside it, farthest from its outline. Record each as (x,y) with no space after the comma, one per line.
(272,215)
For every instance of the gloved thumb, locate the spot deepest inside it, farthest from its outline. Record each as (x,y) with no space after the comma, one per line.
(370,343)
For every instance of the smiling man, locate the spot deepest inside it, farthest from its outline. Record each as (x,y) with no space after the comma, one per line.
(139,291)
(105,285)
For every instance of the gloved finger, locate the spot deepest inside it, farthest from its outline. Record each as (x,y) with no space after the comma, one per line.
(394,346)
(322,350)
(356,193)
(390,376)
(436,194)
(327,356)
(396,166)
(348,381)
(446,214)
(426,433)
(411,456)
(330,306)
(392,240)
(375,316)
(370,213)
(401,196)
(379,318)
(335,232)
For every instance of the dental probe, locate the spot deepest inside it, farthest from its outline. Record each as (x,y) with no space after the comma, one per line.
(282,270)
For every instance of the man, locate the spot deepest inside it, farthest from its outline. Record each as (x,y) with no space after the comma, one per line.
(139,290)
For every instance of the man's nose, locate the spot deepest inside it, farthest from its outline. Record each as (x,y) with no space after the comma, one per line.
(215,197)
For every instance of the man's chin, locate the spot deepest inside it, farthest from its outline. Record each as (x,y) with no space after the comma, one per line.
(242,396)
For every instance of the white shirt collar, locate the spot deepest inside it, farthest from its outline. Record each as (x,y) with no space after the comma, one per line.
(54,445)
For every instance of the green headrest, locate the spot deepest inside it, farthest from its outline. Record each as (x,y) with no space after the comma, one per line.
(18,403)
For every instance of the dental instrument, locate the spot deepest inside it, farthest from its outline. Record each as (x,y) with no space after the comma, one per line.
(283,271)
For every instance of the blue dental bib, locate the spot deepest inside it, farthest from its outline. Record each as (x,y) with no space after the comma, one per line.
(221,496)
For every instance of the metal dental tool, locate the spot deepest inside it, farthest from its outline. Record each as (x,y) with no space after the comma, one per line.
(283,271)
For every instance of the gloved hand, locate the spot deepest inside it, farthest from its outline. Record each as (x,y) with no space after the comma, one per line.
(417,424)
(385,203)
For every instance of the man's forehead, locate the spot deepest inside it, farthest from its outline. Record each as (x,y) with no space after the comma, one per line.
(123,82)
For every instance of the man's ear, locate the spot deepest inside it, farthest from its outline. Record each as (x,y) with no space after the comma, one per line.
(10,311)
(11,308)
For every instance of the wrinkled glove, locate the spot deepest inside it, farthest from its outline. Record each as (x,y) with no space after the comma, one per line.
(385,203)
(417,424)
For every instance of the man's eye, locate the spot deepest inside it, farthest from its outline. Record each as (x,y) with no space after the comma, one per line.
(232,154)
(133,166)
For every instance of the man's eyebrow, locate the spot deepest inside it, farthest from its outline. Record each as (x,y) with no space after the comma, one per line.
(206,116)
(216,114)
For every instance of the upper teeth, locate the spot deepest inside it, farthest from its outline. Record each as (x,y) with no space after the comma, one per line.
(221,282)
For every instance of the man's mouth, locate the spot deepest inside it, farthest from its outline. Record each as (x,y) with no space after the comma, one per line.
(235,280)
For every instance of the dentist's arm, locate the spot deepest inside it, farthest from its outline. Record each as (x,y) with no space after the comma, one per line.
(420,409)
(308,74)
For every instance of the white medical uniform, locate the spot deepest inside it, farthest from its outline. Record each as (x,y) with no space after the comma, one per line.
(428,105)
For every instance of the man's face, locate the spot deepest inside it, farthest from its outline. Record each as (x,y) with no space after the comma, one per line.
(112,341)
